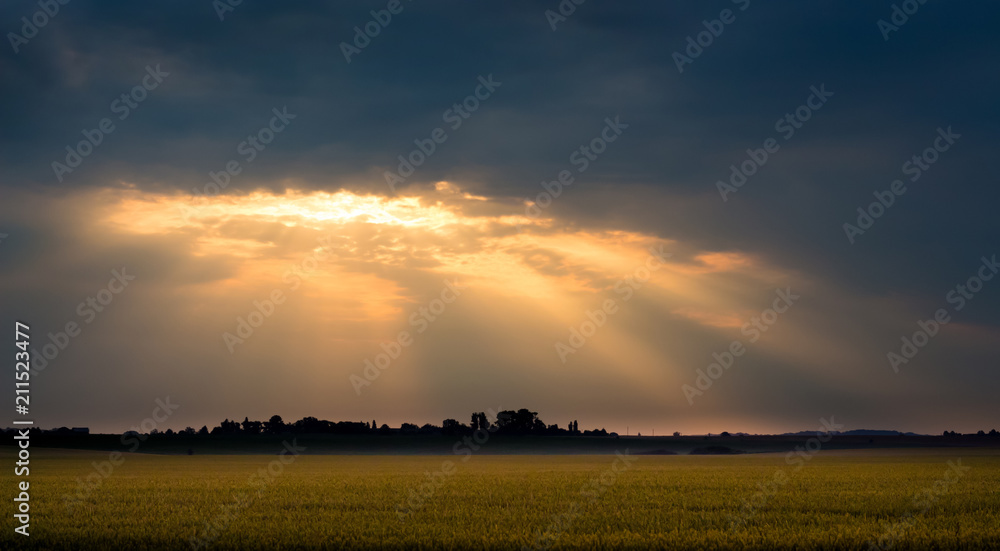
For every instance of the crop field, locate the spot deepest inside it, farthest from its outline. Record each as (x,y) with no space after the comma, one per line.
(839,499)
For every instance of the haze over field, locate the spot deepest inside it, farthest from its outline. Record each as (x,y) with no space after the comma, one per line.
(502,216)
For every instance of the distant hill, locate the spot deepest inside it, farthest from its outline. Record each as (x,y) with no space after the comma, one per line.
(857,432)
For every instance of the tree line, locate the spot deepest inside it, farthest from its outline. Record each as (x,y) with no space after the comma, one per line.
(522,421)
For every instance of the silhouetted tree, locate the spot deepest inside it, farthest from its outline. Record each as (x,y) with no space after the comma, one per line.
(274,425)
(311,425)
(430,429)
(251,427)
(203,431)
(522,421)
(227,427)
(452,427)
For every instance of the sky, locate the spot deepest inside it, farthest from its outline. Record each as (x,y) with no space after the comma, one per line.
(644,216)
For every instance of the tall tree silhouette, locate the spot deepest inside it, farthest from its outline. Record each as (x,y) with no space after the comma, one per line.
(274,425)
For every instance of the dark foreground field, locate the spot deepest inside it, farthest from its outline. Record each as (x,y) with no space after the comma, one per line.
(826,499)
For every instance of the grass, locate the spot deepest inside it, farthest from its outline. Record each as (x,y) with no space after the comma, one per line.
(831,500)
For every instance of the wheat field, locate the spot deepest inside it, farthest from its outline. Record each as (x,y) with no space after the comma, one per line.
(898,499)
